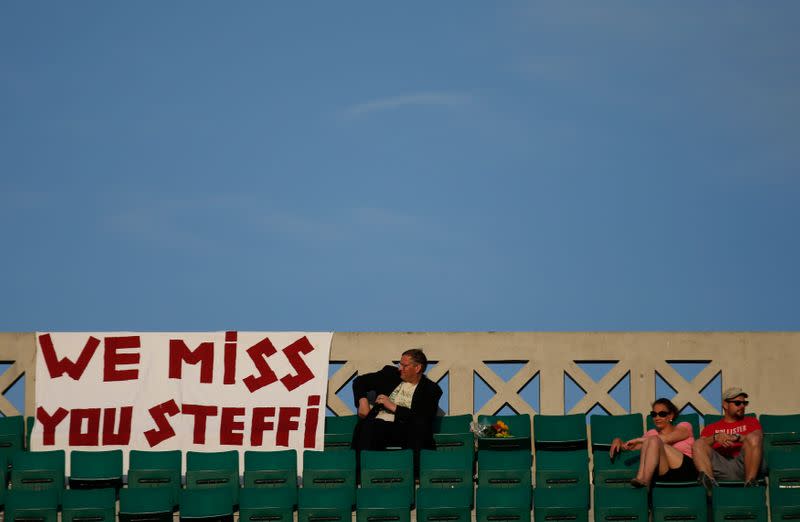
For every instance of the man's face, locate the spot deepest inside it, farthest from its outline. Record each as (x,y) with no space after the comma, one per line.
(735,407)
(409,370)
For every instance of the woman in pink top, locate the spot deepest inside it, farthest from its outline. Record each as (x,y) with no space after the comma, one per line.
(666,450)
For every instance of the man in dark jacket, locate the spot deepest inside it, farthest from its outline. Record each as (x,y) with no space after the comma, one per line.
(405,405)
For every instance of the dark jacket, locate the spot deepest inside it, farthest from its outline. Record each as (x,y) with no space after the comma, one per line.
(416,420)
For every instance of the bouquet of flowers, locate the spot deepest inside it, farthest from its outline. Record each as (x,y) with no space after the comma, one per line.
(497,430)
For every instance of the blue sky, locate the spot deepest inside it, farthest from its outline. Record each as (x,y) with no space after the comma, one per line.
(509,166)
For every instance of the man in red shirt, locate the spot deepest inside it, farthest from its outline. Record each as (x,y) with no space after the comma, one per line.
(730,449)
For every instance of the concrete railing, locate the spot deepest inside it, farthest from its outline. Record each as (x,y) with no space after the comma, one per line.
(765,364)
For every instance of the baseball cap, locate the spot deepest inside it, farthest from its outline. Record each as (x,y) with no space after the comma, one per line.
(732,392)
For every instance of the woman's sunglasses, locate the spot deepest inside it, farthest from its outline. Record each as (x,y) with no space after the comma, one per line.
(739,403)
(662,414)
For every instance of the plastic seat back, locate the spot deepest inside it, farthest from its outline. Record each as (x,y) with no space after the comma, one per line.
(613,504)
(145,505)
(441,469)
(519,428)
(156,469)
(738,503)
(95,469)
(393,470)
(38,471)
(32,505)
(270,469)
(624,466)
(503,504)
(781,436)
(274,504)
(561,453)
(444,504)
(709,418)
(89,505)
(504,469)
(324,504)
(679,503)
(214,470)
(452,424)
(331,470)
(339,431)
(12,435)
(560,503)
(381,505)
(207,504)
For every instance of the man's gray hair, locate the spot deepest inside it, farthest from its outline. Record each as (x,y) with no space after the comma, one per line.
(418,356)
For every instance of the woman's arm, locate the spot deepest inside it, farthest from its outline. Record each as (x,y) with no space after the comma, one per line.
(681,432)
(633,444)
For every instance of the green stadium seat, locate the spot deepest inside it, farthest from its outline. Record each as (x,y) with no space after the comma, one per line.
(616,504)
(392,470)
(452,424)
(444,469)
(452,433)
(462,444)
(503,504)
(781,436)
(30,421)
(604,429)
(562,457)
(560,503)
(324,504)
(213,470)
(339,431)
(444,504)
(739,503)
(784,486)
(89,505)
(679,503)
(504,469)
(270,469)
(519,427)
(562,468)
(156,469)
(26,505)
(206,505)
(711,418)
(145,504)
(273,504)
(335,470)
(95,469)
(3,490)
(12,436)
(38,471)
(381,505)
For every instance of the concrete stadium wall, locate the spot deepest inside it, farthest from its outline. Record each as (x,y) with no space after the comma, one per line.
(765,364)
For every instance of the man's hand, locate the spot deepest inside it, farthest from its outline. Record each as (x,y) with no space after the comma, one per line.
(726,439)
(363,407)
(384,401)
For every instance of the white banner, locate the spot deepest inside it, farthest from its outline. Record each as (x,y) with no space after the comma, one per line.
(189,391)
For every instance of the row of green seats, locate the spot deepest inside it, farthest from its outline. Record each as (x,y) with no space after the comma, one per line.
(339,430)
(451,433)
(434,505)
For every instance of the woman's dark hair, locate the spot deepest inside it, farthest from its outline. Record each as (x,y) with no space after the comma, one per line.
(667,404)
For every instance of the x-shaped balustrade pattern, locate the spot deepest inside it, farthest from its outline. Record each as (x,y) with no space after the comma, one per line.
(506,392)
(762,363)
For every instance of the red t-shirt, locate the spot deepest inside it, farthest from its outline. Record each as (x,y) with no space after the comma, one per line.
(744,426)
